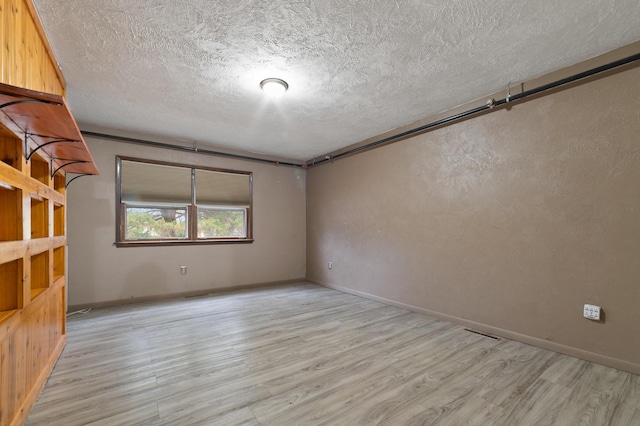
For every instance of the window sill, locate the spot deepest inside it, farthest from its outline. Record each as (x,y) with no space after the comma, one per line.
(181,242)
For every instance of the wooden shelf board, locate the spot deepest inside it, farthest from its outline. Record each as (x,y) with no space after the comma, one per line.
(35,292)
(46,115)
(16,179)
(12,250)
(5,315)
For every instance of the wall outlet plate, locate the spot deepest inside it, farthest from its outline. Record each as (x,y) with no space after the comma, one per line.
(591,312)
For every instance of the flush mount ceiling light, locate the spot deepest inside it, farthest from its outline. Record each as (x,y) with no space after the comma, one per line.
(274,87)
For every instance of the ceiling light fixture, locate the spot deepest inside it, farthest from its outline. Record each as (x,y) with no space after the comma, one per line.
(274,87)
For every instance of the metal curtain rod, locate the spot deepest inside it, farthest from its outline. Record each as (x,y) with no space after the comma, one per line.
(489,105)
(191,149)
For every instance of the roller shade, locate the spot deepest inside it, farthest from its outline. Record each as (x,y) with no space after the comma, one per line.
(222,189)
(154,183)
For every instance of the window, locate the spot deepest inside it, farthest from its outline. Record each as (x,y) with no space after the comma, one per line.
(165,203)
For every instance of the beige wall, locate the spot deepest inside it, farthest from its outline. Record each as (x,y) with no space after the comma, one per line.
(509,222)
(100,272)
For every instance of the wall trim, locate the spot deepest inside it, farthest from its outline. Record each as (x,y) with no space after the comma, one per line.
(608,361)
(186,294)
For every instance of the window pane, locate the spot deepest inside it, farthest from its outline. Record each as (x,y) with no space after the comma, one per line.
(155,222)
(217,223)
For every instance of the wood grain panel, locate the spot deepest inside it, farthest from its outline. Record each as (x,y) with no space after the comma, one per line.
(30,343)
(44,47)
(15,44)
(9,35)
(18,367)
(3,36)
(27,59)
(6,398)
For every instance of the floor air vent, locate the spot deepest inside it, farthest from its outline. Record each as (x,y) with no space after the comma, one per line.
(482,334)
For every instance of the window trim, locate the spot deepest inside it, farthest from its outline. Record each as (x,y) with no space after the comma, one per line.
(192,211)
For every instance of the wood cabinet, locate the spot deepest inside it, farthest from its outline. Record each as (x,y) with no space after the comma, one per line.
(39,144)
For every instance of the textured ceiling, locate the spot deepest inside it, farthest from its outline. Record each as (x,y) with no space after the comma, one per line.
(191,70)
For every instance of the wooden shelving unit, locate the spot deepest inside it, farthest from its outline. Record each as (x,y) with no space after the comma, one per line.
(32,271)
(39,143)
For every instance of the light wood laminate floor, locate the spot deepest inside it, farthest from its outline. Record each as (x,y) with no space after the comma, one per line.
(308,355)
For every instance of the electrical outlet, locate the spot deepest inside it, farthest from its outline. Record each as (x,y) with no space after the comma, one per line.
(330,266)
(591,312)
(183,270)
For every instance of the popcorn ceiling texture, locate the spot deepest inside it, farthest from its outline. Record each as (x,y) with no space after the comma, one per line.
(191,70)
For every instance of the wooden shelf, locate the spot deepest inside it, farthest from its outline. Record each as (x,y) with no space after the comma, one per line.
(44,121)
(5,315)
(10,214)
(59,182)
(39,273)
(11,153)
(10,285)
(59,256)
(35,292)
(58,220)
(39,169)
(39,218)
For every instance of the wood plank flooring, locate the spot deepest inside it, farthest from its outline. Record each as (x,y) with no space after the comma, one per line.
(308,355)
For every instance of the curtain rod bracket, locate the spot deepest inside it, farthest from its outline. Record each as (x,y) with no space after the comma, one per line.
(508,98)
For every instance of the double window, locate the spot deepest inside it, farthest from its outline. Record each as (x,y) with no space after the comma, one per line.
(166,203)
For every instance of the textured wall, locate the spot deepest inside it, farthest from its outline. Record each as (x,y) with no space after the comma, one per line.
(100,272)
(512,220)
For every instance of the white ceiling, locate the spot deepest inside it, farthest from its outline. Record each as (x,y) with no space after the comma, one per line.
(191,70)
